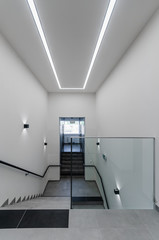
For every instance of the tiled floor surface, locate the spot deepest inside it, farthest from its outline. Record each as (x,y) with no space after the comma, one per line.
(80,188)
(96,225)
(34,218)
(88,224)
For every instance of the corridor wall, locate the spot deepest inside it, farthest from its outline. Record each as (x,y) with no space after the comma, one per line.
(22,100)
(127,102)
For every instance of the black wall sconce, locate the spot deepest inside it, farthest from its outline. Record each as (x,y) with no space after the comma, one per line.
(116,191)
(26,125)
(104,157)
(97,143)
(45,143)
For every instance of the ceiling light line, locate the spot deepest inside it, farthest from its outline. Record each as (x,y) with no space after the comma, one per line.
(72,88)
(100,38)
(42,35)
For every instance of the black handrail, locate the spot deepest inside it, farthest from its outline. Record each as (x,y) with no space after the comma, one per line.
(101,182)
(71,178)
(27,171)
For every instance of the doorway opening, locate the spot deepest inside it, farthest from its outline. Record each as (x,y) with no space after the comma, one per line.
(71,127)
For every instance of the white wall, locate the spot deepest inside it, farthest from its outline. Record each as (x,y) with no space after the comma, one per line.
(128,101)
(22,99)
(129,167)
(68,105)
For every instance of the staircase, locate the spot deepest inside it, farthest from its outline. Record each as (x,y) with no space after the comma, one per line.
(87,203)
(77,164)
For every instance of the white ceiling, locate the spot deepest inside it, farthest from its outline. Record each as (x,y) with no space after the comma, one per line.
(72,28)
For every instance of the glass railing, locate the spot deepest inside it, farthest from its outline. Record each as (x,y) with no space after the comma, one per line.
(117,173)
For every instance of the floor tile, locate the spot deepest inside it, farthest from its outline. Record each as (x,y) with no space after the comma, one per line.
(77,234)
(10,218)
(45,219)
(153,230)
(83,218)
(125,234)
(148,216)
(25,234)
(117,218)
(51,234)
(80,188)
(58,188)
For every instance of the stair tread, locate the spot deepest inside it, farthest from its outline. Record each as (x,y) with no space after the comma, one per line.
(96,200)
(73,162)
(77,163)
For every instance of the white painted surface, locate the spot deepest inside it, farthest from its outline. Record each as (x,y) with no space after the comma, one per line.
(127,103)
(68,105)
(22,99)
(72,28)
(129,167)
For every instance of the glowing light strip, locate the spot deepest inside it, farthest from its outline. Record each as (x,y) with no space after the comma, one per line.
(100,38)
(72,88)
(42,35)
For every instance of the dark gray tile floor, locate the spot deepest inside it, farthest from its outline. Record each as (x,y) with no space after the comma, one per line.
(45,219)
(80,188)
(88,224)
(58,188)
(41,218)
(10,218)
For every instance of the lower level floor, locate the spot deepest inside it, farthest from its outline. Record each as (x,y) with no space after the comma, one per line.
(49,217)
(96,224)
(86,224)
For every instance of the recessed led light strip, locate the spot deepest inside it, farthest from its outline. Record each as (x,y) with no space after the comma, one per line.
(100,38)
(42,35)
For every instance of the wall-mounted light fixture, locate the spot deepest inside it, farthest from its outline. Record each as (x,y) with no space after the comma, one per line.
(104,157)
(97,143)
(26,125)
(45,143)
(116,191)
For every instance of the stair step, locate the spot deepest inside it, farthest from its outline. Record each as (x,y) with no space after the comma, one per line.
(73,154)
(83,206)
(73,159)
(73,167)
(73,170)
(77,164)
(66,172)
(73,162)
(5,203)
(87,200)
(73,174)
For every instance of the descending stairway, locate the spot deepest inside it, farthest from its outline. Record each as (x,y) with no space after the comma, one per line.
(77,164)
(43,212)
(42,202)
(85,195)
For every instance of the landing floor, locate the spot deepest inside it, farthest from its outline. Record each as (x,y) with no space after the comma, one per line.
(96,225)
(80,188)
